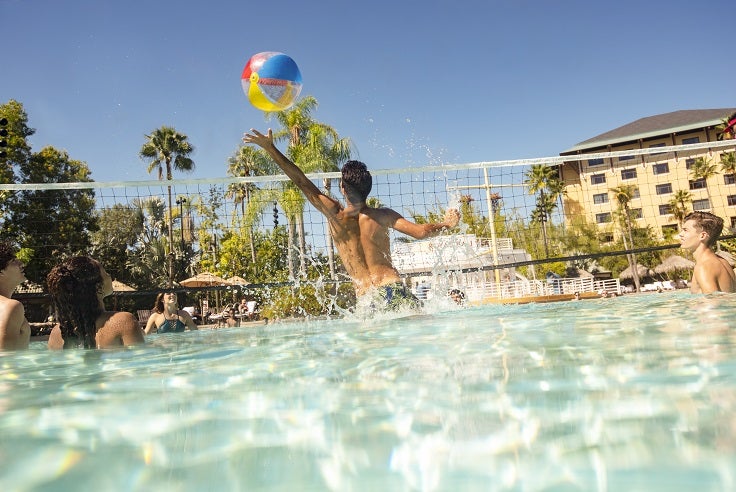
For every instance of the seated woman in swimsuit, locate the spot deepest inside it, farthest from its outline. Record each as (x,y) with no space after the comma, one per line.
(167,317)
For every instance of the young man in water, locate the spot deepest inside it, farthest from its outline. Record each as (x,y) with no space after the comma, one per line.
(699,234)
(15,332)
(360,233)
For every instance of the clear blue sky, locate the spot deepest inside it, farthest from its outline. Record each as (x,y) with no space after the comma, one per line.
(411,83)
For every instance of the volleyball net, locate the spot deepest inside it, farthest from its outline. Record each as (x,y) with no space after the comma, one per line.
(610,204)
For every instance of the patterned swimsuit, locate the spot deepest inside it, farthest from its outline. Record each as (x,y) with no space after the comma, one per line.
(166,326)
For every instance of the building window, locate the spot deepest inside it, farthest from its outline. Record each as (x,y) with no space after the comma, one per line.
(691,140)
(731,200)
(607,237)
(665,209)
(689,163)
(628,174)
(729,179)
(733,223)
(698,184)
(635,194)
(654,146)
(669,230)
(595,162)
(662,168)
(600,198)
(700,205)
(663,189)
(636,213)
(596,179)
(625,158)
(603,218)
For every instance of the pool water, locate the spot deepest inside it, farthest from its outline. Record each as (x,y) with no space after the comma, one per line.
(630,393)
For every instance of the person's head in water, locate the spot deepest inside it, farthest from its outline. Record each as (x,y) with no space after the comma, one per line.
(357,181)
(457,295)
(77,286)
(708,223)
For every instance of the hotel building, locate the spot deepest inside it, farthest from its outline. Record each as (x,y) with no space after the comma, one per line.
(655,178)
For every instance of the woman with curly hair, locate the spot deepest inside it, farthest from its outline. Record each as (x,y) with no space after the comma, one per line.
(78,287)
(167,317)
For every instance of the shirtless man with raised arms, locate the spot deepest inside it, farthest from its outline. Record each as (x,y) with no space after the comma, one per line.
(360,233)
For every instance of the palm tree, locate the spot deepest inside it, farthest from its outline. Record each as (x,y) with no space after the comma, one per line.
(703,168)
(167,147)
(314,147)
(247,161)
(322,152)
(727,128)
(728,162)
(623,195)
(542,178)
(678,205)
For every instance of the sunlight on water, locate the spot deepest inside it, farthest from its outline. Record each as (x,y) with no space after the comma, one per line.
(630,393)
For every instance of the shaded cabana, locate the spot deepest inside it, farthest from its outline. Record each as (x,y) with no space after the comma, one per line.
(641,270)
(674,263)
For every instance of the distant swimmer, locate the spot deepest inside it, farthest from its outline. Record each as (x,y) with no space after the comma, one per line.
(360,233)
(699,234)
(167,317)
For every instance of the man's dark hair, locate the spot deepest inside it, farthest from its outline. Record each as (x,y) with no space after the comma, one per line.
(706,221)
(7,254)
(356,179)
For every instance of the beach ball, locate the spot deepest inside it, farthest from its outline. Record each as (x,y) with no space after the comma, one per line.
(271,80)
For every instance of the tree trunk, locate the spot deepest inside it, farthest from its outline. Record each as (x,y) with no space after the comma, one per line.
(290,248)
(171,242)
(631,256)
(302,247)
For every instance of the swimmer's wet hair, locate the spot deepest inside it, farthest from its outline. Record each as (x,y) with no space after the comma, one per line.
(74,285)
(356,179)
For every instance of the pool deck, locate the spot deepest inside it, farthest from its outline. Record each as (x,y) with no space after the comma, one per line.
(530,299)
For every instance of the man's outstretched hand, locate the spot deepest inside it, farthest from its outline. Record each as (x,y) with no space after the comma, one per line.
(452,217)
(258,138)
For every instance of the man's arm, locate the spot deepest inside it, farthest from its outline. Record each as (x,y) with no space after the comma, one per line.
(322,202)
(421,231)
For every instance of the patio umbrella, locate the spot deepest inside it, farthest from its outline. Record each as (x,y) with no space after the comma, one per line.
(640,269)
(672,263)
(118,286)
(204,279)
(235,280)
